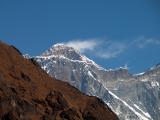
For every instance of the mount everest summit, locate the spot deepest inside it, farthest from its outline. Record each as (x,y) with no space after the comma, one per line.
(131,97)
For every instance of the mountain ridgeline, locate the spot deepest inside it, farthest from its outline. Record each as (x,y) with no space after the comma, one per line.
(27,92)
(131,97)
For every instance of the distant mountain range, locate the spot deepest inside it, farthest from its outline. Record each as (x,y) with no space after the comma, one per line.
(131,97)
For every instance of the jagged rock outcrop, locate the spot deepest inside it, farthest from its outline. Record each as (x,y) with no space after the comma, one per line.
(28,93)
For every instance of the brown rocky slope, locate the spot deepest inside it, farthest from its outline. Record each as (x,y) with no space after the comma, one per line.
(28,93)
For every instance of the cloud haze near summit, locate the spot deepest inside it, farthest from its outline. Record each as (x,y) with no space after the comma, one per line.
(108,49)
(83,45)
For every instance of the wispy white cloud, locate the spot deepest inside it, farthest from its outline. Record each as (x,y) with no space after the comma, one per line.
(101,48)
(108,49)
(111,50)
(143,42)
(83,45)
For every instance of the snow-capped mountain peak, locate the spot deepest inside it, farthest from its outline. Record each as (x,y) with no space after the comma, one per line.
(63,50)
(122,91)
(66,52)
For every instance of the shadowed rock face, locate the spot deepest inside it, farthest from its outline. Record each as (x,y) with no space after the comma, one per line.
(28,93)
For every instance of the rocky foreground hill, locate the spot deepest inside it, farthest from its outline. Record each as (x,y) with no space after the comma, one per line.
(28,93)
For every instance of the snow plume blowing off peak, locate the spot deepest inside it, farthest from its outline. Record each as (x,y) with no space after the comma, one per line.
(129,96)
(69,51)
(83,45)
(79,46)
(60,49)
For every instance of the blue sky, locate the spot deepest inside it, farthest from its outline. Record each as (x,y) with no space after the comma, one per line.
(111,32)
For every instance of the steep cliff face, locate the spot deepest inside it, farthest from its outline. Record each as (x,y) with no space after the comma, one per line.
(28,93)
(127,94)
(142,91)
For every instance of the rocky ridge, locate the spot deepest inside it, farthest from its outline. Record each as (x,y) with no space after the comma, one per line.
(28,93)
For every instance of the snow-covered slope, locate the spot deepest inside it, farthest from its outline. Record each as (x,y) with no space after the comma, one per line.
(132,97)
